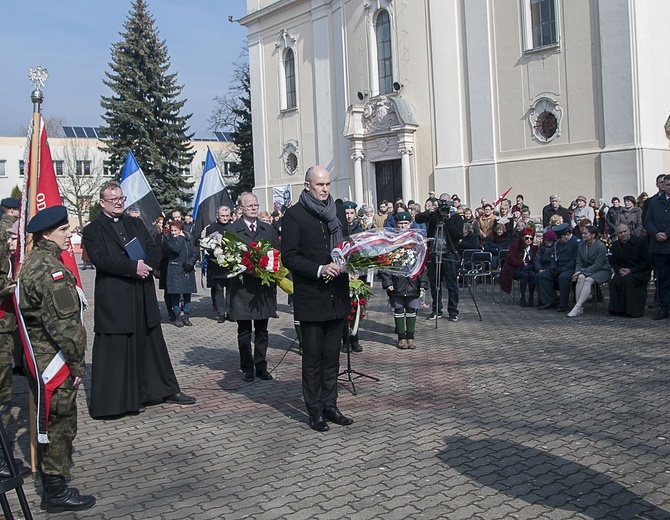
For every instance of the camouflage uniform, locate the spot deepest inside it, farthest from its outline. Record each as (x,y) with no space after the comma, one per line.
(51,309)
(6,222)
(7,327)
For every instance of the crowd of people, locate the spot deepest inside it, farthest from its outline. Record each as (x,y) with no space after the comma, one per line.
(562,256)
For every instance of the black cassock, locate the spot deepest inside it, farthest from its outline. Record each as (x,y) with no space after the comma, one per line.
(628,294)
(130,361)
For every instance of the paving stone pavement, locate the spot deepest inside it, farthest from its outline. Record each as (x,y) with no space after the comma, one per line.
(524,415)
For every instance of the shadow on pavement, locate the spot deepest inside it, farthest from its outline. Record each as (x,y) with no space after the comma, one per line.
(540,478)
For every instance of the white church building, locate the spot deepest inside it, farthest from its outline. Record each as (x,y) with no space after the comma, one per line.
(400,97)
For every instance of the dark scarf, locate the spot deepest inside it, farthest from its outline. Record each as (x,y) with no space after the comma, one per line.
(326,212)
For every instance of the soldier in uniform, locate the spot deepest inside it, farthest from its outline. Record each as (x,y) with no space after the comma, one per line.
(51,309)
(10,213)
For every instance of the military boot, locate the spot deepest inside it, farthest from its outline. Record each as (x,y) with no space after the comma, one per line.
(62,498)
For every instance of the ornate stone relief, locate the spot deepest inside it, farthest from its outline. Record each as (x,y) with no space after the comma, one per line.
(379,115)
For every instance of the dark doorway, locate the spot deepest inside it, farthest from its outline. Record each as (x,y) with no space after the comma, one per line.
(389,180)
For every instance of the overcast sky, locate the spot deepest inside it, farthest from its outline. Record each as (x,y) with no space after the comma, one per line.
(72,39)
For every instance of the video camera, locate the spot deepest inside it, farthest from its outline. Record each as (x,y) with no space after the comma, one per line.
(444,207)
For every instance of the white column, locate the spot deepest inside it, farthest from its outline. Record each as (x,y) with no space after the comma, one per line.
(406,174)
(358,177)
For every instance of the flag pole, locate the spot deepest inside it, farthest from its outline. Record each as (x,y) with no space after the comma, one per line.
(38,77)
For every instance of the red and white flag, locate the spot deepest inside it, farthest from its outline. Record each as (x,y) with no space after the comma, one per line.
(47,195)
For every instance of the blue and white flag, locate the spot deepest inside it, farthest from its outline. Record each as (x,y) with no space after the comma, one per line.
(135,186)
(212,193)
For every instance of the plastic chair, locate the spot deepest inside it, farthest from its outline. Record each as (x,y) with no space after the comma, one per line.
(480,268)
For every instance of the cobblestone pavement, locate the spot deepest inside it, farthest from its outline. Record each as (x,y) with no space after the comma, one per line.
(526,414)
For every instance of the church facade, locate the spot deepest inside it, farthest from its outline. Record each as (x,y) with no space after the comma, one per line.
(400,97)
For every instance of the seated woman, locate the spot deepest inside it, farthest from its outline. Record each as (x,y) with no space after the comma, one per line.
(470,239)
(544,256)
(519,266)
(497,240)
(592,267)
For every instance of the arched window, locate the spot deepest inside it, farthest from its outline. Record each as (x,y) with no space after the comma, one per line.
(289,78)
(384,54)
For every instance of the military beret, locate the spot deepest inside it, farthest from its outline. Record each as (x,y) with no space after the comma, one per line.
(48,218)
(10,203)
(561,229)
(350,204)
(403,216)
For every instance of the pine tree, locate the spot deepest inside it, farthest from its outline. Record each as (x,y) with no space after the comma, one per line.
(143,114)
(242,136)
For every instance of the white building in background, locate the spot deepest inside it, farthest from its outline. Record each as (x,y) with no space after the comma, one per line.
(81,168)
(399,97)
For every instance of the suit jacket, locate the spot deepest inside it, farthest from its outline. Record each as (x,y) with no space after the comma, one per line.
(116,281)
(656,220)
(250,299)
(305,247)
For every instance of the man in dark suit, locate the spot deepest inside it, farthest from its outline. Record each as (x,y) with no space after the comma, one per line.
(657,224)
(217,276)
(252,303)
(130,366)
(310,229)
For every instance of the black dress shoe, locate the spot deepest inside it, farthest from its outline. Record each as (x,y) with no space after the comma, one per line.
(561,309)
(356,346)
(180,398)
(335,416)
(221,319)
(546,306)
(248,376)
(265,375)
(318,423)
(661,314)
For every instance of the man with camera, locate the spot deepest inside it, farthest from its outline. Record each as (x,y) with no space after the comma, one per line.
(445,226)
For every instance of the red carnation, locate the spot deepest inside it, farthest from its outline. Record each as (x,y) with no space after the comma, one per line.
(264,262)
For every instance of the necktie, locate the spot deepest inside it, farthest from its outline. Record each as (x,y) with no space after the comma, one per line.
(252,227)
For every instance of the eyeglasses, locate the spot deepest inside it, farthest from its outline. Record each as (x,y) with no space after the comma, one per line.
(117,200)
(528,238)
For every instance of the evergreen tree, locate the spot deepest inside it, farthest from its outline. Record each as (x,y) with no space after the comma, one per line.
(16,193)
(143,113)
(242,136)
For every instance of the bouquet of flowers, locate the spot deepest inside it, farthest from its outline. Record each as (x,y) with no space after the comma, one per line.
(359,293)
(258,259)
(402,253)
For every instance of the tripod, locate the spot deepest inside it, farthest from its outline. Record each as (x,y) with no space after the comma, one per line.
(438,251)
(349,378)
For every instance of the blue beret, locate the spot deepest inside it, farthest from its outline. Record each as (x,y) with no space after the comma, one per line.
(10,203)
(350,204)
(561,229)
(48,218)
(403,216)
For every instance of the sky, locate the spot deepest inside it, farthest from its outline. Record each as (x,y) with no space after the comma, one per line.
(72,39)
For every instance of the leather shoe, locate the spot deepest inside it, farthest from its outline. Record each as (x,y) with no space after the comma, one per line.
(335,416)
(561,309)
(546,306)
(318,423)
(265,375)
(661,314)
(180,398)
(248,376)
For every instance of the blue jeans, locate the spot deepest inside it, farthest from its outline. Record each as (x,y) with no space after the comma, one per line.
(175,303)
(448,275)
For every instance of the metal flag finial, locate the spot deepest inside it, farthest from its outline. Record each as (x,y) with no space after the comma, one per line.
(38,77)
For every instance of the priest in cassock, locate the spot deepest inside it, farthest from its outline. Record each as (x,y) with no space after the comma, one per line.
(131,366)
(631,263)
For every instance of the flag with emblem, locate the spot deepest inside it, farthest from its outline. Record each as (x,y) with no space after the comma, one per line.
(47,195)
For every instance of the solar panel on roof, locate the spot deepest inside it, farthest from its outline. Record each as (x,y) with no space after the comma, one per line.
(79,131)
(69,132)
(90,132)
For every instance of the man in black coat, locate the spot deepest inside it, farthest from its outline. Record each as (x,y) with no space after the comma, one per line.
(310,229)
(447,229)
(554,208)
(632,270)
(657,224)
(130,365)
(252,303)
